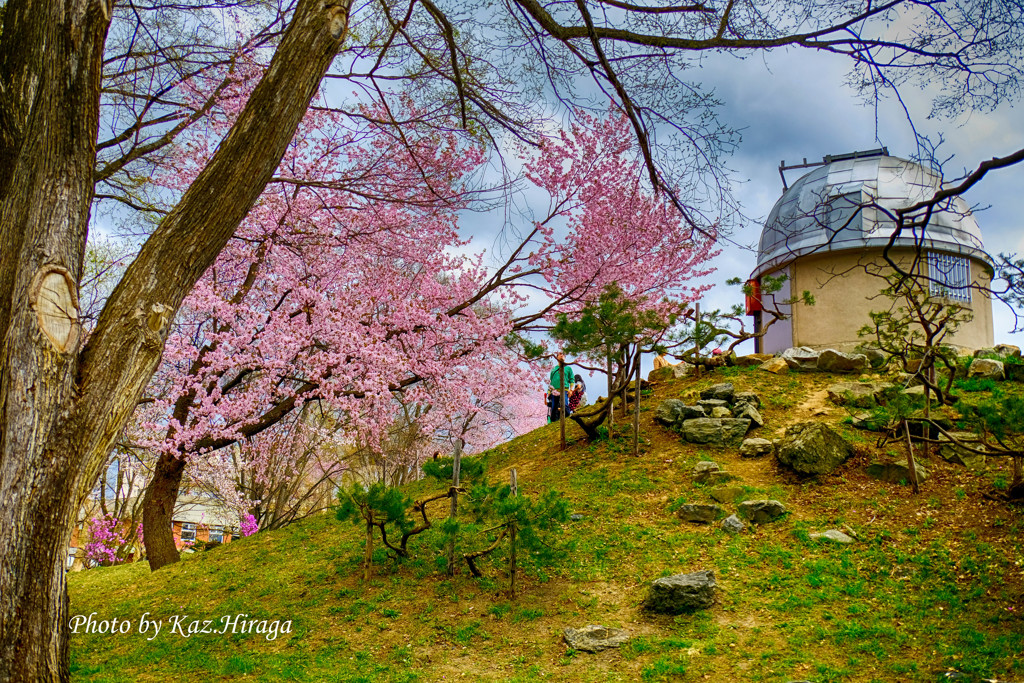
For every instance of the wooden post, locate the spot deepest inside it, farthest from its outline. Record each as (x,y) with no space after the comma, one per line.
(636,406)
(454,511)
(611,402)
(696,337)
(561,381)
(513,532)
(910,458)
(368,555)
(625,387)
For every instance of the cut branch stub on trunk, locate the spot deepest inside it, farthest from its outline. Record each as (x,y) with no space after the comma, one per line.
(53,296)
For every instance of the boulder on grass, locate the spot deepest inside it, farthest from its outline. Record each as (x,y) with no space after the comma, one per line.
(762,511)
(594,638)
(708,404)
(747,397)
(895,472)
(986,368)
(704,469)
(747,411)
(831,360)
(812,448)
(714,431)
(670,372)
(721,392)
(753,359)
(776,366)
(860,394)
(755,448)
(801,359)
(700,514)
(958,455)
(1008,350)
(682,593)
(672,413)
(1001,350)
(877,358)
(732,524)
(833,536)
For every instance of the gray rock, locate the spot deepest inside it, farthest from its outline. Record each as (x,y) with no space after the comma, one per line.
(709,404)
(722,392)
(1001,350)
(812,448)
(950,452)
(986,369)
(762,511)
(876,357)
(703,430)
(747,397)
(719,477)
(715,431)
(667,411)
(894,472)
(733,524)
(726,494)
(1008,350)
(747,411)
(832,535)
(671,372)
(860,394)
(595,638)
(682,593)
(801,359)
(575,517)
(831,360)
(755,448)
(734,430)
(703,469)
(672,413)
(721,411)
(753,359)
(867,422)
(700,514)
(776,366)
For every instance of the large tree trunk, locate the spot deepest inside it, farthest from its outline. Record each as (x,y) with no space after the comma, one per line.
(158,511)
(50,60)
(62,408)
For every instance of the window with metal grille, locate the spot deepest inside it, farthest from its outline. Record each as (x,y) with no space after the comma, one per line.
(950,277)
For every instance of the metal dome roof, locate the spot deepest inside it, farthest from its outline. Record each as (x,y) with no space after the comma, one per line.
(819,212)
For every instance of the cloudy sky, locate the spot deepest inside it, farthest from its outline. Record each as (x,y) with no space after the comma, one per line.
(793,105)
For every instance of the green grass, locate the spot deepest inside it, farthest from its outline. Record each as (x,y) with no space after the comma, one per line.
(933,584)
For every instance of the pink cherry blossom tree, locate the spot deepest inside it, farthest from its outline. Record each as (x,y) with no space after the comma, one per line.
(348,283)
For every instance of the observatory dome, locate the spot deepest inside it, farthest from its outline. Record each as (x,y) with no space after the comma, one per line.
(819,212)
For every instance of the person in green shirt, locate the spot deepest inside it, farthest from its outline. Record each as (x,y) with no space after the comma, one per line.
(556,379)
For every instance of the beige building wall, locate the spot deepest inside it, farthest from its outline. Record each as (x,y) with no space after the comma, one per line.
(846,291)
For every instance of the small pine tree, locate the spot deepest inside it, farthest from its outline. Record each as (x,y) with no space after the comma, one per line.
(375,507)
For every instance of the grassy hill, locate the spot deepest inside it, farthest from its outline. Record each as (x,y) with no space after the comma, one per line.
(934,584)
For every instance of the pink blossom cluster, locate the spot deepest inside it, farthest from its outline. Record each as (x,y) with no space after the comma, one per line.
(110,540)
(249,525)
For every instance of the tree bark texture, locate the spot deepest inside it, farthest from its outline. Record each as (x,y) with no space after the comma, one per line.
(61,409)
(158,510)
